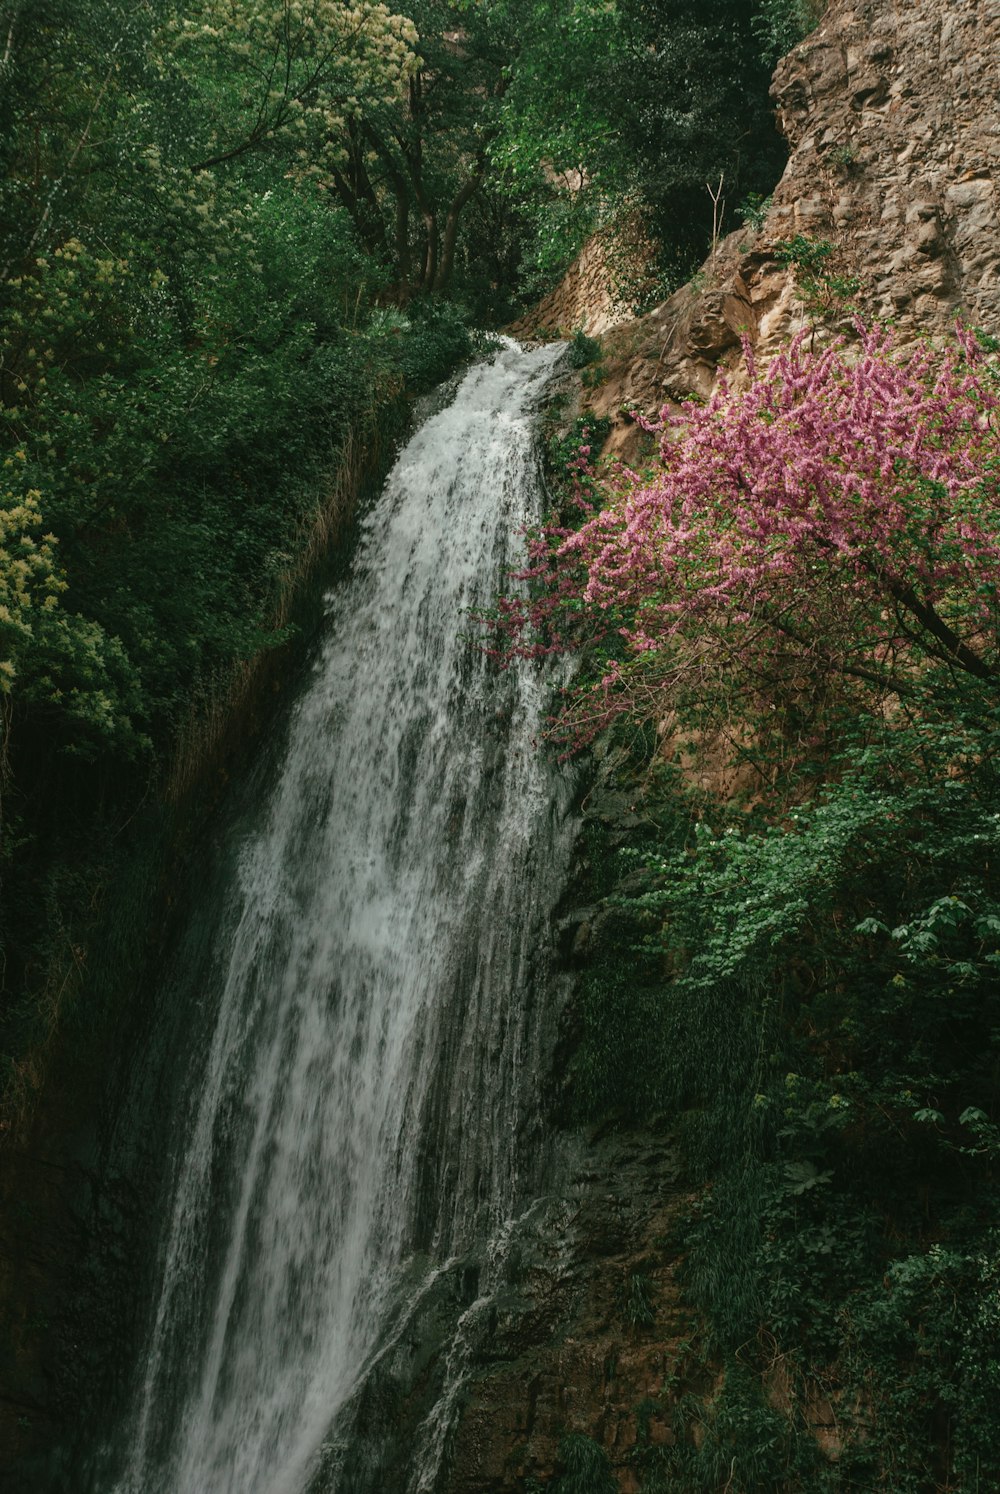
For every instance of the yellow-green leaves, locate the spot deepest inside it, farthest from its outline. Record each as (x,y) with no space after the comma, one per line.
(29,576)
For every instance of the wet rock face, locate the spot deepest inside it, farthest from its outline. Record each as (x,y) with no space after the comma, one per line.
(591,1328)
(893,118)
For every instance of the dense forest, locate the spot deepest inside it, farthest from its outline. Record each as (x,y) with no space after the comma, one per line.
(237,237)
(234,236)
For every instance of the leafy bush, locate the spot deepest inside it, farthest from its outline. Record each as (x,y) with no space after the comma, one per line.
(438,340)
(583,349)
(780,24)
(754,210)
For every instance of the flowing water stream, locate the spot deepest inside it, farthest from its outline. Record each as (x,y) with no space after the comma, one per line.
(372,1048)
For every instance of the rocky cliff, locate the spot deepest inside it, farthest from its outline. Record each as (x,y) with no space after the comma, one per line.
(611,270)
(892,114)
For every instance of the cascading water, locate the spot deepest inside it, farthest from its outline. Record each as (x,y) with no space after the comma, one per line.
(373,1045)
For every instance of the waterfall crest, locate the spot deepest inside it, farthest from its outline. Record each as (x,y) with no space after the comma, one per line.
(372,1044)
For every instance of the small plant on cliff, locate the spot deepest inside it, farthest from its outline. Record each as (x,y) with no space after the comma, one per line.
(843,157)
(754,210)
(824,291)
(584,1468)
(635,1299)
(583,350)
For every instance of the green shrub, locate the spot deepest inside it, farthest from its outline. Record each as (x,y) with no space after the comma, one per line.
(583,350)
(436,342)
(584,1468)
(780,24)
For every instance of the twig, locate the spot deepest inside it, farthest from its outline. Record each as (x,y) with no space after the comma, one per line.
(718,210)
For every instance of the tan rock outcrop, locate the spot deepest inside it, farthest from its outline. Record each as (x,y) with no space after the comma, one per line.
(893,115)
(594,294)
(893,118)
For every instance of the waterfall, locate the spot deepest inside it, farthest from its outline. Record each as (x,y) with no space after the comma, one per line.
(371,1049)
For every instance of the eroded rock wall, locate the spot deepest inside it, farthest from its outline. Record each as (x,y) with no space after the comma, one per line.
(893,117)
(595,293)
(893,114)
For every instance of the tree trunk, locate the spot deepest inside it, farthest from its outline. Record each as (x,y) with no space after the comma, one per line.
(451,229)
(402,246)
(429,278)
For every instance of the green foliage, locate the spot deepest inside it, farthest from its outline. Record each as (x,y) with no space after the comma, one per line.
(754,210)
(780,24)
(823,288)
(732,1439)
(622,112)
(808,255)
(928,1337)
(175,474)
(437,343)
(477,165)
(584,1468)
(586,430)
(553,228)
(816,989)
(583,349)
(635,1300)
(188,351)
(844,157)
(686,70)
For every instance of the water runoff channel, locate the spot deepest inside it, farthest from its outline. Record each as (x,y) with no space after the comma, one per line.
(356,1119)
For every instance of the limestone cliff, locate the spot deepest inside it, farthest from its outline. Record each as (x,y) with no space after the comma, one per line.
(892,114)
(604,279)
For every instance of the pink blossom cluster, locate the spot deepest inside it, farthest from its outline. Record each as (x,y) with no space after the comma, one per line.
(847,500)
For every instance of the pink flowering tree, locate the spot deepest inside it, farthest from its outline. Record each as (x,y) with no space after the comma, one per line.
(838,518)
